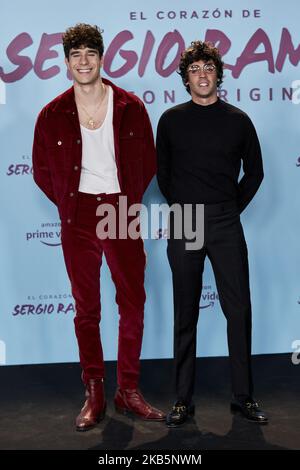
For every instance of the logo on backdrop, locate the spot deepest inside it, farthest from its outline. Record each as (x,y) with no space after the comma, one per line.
(208,297)
(48,234)
(298,161)
(163,54)
(20,169)
(45,305)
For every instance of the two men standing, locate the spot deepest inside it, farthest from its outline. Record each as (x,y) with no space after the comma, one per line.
(93,144)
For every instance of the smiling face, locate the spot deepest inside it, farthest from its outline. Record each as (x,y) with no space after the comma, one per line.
(203,85)
(84,65)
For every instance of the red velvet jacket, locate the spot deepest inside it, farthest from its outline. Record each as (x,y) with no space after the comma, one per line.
(57,149)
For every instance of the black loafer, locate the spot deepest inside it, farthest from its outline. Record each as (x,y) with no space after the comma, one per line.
(179,414)
(249,409)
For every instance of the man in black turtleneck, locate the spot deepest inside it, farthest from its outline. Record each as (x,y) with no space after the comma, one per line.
(201,145)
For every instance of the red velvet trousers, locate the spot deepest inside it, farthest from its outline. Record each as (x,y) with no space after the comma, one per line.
(83,252)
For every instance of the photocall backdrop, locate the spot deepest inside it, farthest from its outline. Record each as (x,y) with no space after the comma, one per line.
(259,41)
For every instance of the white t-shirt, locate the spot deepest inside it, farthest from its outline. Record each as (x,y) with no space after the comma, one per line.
(99,169)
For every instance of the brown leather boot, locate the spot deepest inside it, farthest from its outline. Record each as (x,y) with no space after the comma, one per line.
(132,401)
(93,410)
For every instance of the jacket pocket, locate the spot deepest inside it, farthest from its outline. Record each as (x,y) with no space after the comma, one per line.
(131,142)
(59,153)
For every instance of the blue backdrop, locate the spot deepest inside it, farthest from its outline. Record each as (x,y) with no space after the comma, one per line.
(260,44)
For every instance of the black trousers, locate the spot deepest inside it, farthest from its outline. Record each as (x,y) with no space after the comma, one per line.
(226,248)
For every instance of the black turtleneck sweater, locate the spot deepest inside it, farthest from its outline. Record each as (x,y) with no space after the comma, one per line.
(200,150)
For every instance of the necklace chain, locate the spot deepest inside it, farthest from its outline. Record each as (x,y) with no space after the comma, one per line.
(91,121)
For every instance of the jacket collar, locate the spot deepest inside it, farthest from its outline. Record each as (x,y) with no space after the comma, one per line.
(66,101)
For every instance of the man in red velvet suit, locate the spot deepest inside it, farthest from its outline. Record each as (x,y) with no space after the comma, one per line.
(92,144)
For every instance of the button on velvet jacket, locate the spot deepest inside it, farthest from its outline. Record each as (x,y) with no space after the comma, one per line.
(57,149)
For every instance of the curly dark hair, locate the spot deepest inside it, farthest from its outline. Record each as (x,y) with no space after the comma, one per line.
(199,50)
(83,35)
